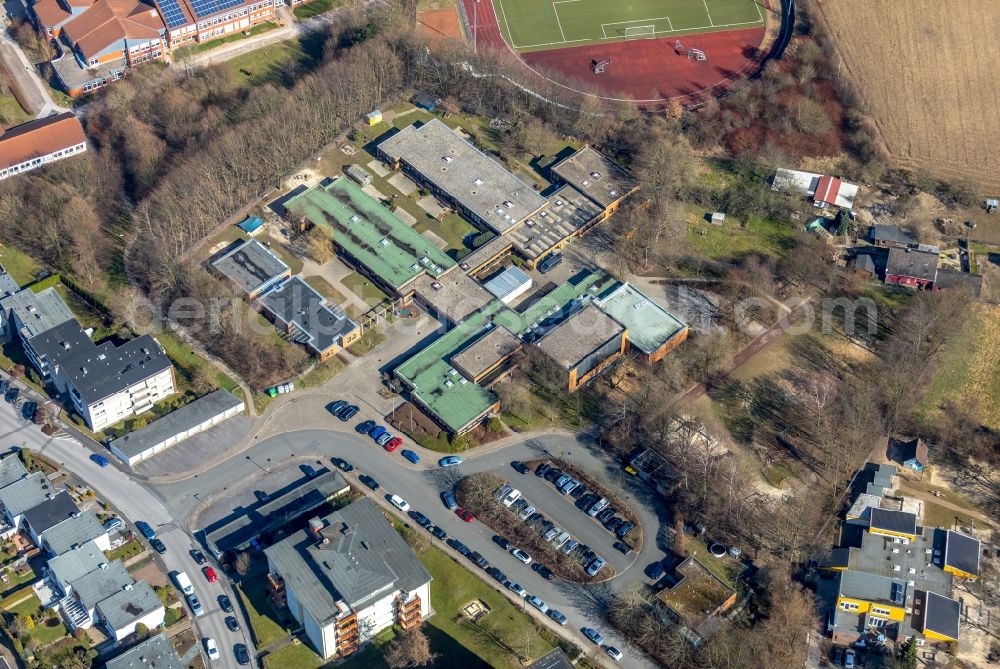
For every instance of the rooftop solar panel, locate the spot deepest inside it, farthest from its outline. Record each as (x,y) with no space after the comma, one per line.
(172,14)
(205,8)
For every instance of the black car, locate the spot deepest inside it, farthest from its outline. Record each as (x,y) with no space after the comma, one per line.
(225,604)
(586,502)
(613,523)
(550,263)
(437,532)
(502,543)
(458,546)
(336,407)
(369,481)
(543,571)
(198,556)
(495,573)
(520,467)
(28,410)
(12,395)
(158,546)
(421,519)
(553,474)
(262,496)
(232,624)
(604,515)
(578,492)
(624,529)
(478,559)
(622,547)
(541,469)
(342,465)
(347,413)
(365,427)
(241,653)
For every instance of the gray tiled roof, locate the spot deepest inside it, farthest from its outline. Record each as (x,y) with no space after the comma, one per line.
(892,233)
(11,469)
(153,653)
(51,512)
(98,585)
(128,605)
(25,493)
(363,559)
(912,263)
(74,531)
(75,564)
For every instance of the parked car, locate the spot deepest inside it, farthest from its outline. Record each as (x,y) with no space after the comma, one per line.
(310,471)
(624,529)
(376,432)
(478,559)
(578,492)
(113,524)
(28,410)
(567,487)
(146,529)
(99,459)
(558,616)
(12,394)
(613,653)
(158,546)
(369,481)
(450,461)
(437,532)
(465,515)
(210,574)
(622,547)
(569,547)
(211,649)
(393,444)
(195,606)
(458,546)
(225,604)
(613,523)
(543,571)
(232,624)
(399,502)
(342,465)
(537,602)
(595,566)
(4,386)
(521,556)
(242,654)
(348,412)
(542,469)
(655,570)
(524,513)
(551,533)
(502,542)
(558,542)
(520,467)
(849,658)
(448,497)
(498,575)
(198,556)
(385,440)
(562,480)
(421,519)
(838,657)
(550,263)
(517,589)
(410,455)
(337,407)
(604,515)
(365,427)
(599,506)
(593,635)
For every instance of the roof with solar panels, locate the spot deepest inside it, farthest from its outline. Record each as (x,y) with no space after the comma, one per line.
(177,13)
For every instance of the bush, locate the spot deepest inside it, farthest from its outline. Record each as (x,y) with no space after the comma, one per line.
(494,426)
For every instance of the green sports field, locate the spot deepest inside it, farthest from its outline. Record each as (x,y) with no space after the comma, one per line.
(535,25)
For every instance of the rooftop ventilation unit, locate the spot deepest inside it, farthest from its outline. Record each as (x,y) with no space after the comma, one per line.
(355,218)
(478,182)
(384,241)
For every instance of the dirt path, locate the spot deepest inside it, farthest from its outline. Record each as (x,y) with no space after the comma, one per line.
(965,511)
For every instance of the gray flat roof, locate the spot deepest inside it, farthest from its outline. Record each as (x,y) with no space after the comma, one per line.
(491,249)
(873,588)
(454,295)
(75,564)
(98,371)
(894,521)
(181,420)
(8,286)
(316,323)
(962,552)
(464,173)
(579,335)
(51,512)
(942,614)
(568,211)
(101,583)
(128,605)
(892,233)
(649,325)
(37,311)
(11,469)
(602,179)
(25,493)
(363,559)
(250,265)
(486,351)
(154,653)
(508,281)
(874,555)
(74,531)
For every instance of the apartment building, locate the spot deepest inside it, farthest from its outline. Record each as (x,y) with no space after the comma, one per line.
(36,143)
(347,577)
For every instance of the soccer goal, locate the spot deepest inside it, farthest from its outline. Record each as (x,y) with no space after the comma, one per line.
(640,31)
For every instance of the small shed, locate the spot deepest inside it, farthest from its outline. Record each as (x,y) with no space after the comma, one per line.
(425,101)
(374,117)
(358,174)
(252,225)
(912,453)
(718,218)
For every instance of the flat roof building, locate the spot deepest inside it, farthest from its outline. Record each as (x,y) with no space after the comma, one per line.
(452,297)
(30,313)
(602,179)
(309,319)
(75,564)
(124,611)
(154,653)
(487,257)
(652,330)
(478,186)
(583,344)
(509,284)
(961,555)
(893,523)
(937,616)
(253,267)
(569,214)
(75,531)
(486,355)
(370,236)
(187,421)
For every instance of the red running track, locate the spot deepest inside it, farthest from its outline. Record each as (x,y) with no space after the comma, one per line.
(645,71)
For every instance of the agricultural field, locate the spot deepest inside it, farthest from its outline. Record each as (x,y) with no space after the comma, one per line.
(531,25)
(928,77)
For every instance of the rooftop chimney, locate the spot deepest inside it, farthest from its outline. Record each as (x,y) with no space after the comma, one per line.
(316,527)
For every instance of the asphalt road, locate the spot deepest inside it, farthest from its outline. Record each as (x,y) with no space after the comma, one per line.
(136,503)
(260,468)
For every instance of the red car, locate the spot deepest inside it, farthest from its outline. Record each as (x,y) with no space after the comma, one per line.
(393,444)
(465,515)
(210,574)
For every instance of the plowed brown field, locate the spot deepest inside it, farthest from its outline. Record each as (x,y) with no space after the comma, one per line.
(928,71)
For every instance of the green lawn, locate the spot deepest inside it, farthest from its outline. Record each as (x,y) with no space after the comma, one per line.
(529,25)
(371,294)
(42,633)
(453,229)
(189,362)
(265,622)
(11,111)
(301,656)
(370,339)
(321,373)
(310,9)
(192,49)
(130,549)
(263,64)
(730,241)
(19,265)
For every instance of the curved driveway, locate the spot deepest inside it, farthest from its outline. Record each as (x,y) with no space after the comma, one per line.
(421,486)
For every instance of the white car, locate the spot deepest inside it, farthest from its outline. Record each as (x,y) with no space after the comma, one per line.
(399,503)
(613,653)
(537,602)
(517,589)
(212,649)
(521,555)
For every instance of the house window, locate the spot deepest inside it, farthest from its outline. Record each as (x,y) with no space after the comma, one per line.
(850,606)
(92,61)
(880,611)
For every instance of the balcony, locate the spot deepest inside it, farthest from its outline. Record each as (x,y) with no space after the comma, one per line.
(408,611)
(276,588)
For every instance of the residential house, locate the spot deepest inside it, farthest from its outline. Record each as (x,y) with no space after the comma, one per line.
(953,279)
(49,513)
(347,577)
(74,564)
(36,143)
(11,469)
(309,319)
(75,531)
(136,604)
(154,653)
(21,495)
(824,190)
(911,454)
(911,267)
(893,236)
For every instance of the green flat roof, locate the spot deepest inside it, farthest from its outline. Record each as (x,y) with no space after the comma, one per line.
(363,228)
(649,325)
(552,307)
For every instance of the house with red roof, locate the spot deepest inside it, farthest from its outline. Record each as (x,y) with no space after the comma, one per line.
(824,190)
(30,145)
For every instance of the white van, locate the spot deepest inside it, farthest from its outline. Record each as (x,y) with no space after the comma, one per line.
(183,582)
(512,497)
